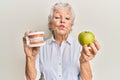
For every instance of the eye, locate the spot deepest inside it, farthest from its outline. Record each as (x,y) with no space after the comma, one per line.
(57,17)
(67,18)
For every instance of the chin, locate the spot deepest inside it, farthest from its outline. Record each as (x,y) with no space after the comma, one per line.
(63,33)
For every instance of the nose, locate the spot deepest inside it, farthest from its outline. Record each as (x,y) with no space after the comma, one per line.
(62,20)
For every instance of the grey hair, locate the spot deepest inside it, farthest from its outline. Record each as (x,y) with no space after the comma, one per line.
(61,5)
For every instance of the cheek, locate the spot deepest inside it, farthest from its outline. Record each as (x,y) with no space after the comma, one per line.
(55,20)
(55,23)
(69,26)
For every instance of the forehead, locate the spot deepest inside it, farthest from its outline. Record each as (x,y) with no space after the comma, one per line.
(63,10)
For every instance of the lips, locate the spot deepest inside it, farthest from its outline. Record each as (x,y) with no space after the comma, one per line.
(62,26)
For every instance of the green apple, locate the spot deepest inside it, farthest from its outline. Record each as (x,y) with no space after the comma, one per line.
(86,37)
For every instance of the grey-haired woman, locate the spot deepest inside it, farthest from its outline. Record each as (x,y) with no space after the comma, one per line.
(62,57)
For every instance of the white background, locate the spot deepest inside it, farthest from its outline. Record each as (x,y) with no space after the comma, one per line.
(99,16)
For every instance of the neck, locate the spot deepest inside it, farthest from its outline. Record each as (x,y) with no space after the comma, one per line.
(60,38)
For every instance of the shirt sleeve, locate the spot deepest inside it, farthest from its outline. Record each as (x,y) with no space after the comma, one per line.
(37,65)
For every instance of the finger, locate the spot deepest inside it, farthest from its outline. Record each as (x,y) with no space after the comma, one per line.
(26,33)
(93,48)
(97,44)
(83,57)
(29,31)
(86,50)
(35,50)
(86,58)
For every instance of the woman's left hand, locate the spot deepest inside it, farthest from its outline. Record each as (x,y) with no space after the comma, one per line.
(88,53)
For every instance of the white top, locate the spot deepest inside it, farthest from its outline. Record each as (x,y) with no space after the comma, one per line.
(56,62)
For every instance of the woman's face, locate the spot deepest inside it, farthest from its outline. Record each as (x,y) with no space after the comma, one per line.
(61,21)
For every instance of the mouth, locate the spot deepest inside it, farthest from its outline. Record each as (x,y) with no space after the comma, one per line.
(62,26)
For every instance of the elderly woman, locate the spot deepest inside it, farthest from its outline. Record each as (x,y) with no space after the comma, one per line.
(62,57)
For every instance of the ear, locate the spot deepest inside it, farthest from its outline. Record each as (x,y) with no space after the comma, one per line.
(49,26)
(72,24)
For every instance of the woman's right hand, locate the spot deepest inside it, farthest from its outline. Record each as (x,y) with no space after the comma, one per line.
(29,51)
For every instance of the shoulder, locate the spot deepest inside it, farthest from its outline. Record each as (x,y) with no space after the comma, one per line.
(48,41)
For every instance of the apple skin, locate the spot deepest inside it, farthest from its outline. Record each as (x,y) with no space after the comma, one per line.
(86,37)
